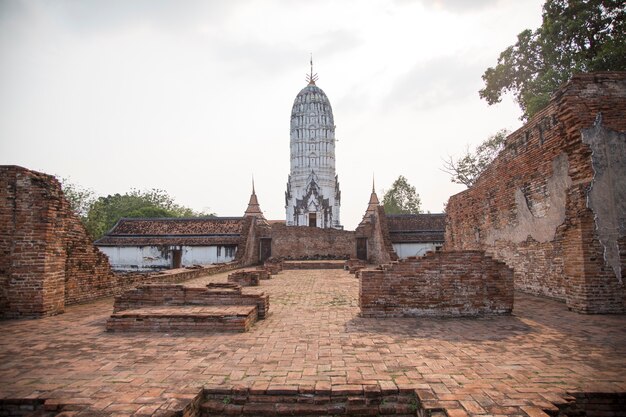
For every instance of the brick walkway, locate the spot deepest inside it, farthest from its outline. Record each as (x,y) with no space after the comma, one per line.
(314,338)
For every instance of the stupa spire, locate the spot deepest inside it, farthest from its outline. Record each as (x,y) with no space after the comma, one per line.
(372,206)
(254,209)
(311,77)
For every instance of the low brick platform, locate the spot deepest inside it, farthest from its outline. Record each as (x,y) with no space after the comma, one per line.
(245,278)
(354,265)
(214,294)
(313,264)
(273,266)
(184,318)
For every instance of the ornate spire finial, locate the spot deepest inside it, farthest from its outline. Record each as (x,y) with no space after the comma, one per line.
(253,192)
(311,78)
(373,188)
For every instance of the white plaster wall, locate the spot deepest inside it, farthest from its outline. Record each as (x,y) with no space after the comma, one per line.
(205,255)
(148,258)
(404,250)
(136,258)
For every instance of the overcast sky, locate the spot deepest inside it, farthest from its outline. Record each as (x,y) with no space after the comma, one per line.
(194,97)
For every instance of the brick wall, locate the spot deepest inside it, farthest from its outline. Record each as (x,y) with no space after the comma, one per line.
(47,261)
(551,204)
(301,242)
(33,217)
(455,283)
(374,228)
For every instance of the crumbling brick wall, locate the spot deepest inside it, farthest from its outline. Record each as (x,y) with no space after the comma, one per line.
(301,242)
(47,260)
(33,241)
(375,229)
(455,283)
(551,204)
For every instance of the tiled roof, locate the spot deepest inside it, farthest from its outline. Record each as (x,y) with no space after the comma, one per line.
(416,228)
(168,240)
(174,231)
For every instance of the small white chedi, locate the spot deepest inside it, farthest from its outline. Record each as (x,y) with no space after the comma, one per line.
(312,197)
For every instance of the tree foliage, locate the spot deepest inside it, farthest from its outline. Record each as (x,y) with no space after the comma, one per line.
(467,168)
(80,198)
(402,198)
(106,211)
(575,36)
(100,214)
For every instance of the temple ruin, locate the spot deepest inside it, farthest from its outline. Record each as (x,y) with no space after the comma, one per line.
(520,312)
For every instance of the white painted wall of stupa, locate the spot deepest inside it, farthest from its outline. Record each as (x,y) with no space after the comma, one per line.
(312,145)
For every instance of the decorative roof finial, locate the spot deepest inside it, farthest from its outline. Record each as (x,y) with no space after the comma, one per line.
(311,78)
(253,192)
(373,183)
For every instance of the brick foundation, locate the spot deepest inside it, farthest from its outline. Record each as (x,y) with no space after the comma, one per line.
(465,283)
(156,295)
(354,265)
(184,318)
(274,265)
(552,204)
(246,278)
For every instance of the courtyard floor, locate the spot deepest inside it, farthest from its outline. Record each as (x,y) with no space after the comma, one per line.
(313,337)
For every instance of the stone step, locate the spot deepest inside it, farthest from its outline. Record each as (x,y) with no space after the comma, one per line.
(216,408)
(184,318)
(291,402)
(321,264)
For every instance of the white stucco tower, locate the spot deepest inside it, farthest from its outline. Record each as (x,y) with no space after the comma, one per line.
(312,197)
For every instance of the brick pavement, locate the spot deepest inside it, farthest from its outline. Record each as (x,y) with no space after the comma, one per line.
(313,338)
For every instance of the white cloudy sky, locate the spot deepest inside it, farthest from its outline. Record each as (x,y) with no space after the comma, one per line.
(194,97)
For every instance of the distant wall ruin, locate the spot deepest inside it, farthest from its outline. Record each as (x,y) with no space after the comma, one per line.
(552,204)
(302,242)
(465,283)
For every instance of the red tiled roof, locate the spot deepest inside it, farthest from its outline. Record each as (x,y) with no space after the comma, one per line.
(174,231)
(416,228)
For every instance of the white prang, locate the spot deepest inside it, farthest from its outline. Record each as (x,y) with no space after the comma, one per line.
(312,195)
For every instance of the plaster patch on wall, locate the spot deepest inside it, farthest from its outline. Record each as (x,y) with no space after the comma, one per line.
(541,228)
(607,194)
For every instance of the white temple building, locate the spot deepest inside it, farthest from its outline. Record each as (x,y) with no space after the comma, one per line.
(312,197)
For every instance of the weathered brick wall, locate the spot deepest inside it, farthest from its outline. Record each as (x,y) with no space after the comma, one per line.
(47,260)
(533,207)
(32,243)
(379,246)
(301,242)
(455,283)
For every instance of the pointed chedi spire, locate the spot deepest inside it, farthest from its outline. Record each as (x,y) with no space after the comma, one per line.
(254,209)
(372,205)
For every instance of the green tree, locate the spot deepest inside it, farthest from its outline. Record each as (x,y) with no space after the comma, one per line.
(575,36)
(80,198)
(402,198)
(468,167)
(106,211)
